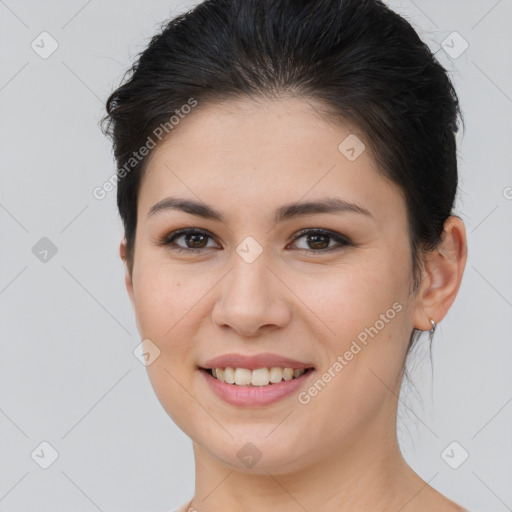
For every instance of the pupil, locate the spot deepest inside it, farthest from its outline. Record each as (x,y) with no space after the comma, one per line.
(316,241)
(196,240)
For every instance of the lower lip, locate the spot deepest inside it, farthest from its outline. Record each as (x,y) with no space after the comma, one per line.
(254,395)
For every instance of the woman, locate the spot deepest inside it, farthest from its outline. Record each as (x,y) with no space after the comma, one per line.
(286,177)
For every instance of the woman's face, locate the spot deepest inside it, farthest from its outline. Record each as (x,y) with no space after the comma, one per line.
(325,286)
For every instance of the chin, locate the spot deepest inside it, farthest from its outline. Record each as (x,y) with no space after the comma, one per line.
(251,450)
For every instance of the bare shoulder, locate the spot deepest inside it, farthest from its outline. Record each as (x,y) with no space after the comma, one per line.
(184,508)
(441,503)
(426,498)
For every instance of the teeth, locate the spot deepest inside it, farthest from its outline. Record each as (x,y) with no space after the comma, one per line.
(258,377)
(275,375)
(288,374)
(229,375)
(242,376)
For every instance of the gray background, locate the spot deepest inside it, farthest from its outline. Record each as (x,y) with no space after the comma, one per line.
(68,375)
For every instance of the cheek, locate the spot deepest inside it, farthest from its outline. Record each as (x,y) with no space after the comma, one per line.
(348,299)
(171,304)
(162,297)
(365,309)
(164,306)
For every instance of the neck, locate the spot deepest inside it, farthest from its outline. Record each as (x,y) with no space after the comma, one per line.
(367,473)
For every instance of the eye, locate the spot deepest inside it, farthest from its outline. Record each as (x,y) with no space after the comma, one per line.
(194,240)
(319,241)
(316,241)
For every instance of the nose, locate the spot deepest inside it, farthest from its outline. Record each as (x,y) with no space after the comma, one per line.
(251,300)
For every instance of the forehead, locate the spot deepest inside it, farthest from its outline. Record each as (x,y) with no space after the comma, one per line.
(265,151)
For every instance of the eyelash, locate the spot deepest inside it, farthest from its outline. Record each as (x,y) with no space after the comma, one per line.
(343,241)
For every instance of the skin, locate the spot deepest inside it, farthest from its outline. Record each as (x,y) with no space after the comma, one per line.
(339,452)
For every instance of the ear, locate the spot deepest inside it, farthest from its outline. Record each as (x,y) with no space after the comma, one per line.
(128,277)
(442,275)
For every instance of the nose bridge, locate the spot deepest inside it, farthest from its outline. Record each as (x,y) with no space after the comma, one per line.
(249,283)
(250,297)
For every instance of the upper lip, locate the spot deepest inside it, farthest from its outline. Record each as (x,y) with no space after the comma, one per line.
(264,360)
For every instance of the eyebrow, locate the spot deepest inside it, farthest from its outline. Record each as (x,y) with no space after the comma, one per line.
(285,212)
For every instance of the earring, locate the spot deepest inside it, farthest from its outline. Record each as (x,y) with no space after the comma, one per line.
(432,331)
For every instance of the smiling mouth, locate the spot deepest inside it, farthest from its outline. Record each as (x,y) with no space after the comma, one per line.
(259,377)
